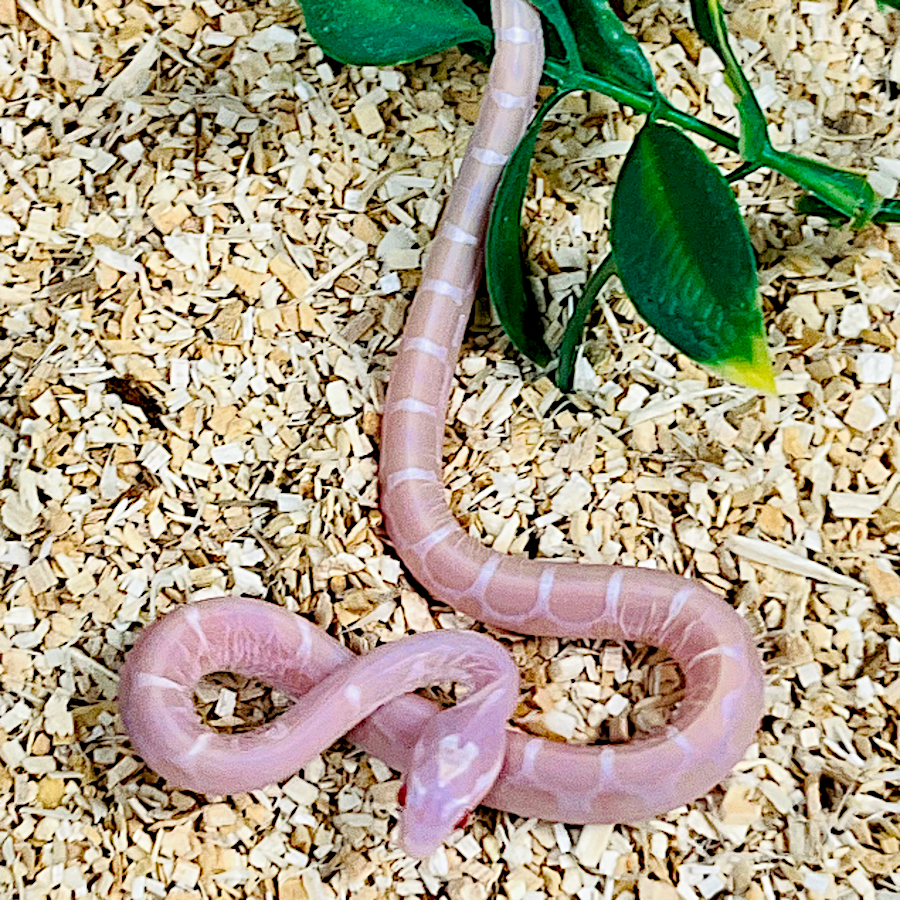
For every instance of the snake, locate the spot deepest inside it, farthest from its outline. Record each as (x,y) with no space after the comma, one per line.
(457,758)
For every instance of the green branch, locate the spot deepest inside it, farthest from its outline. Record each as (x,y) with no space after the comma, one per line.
(568,349)
(640,103)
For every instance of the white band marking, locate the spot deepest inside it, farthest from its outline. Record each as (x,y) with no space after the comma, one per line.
(411,405)
(148,679)
(305,647)
(530,755)
(680,740)
(516,36)
(454,758)
(433,539)
(192,616)
(489,157)
(506,100)
(458,235)
(613,590)
(443,289)
(426,345)
(410,474)
(480,584)
(608,765)
(676,604)
(728,652)
(198,746)
(545,588)
(352,695)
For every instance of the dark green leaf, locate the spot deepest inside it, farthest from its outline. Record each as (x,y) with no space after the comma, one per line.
(845,191)
(553,12)
(515,305)
(889,211)
(387,32)
(607,48)
(810,205)
(684,256)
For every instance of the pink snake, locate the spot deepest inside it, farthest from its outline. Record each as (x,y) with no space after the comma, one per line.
(458,758)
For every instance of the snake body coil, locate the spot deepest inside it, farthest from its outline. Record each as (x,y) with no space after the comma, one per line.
(457,758)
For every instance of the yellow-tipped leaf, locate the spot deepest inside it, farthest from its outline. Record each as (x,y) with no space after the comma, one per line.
(755,372)
(685,259)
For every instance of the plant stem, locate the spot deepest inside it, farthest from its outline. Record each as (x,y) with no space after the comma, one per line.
(889,211)
(568,349)
(639,102)
(742,171)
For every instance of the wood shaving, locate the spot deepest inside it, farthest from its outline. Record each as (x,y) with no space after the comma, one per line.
(209,235)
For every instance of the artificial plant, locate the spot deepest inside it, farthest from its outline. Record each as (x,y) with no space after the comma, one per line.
(678,242)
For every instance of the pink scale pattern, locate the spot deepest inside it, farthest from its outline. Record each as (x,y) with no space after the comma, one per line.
(466,755)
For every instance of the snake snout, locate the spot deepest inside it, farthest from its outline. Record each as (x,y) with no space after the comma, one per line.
(430,815)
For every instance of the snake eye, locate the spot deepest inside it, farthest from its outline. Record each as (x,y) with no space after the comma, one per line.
(401,795)
(463,821)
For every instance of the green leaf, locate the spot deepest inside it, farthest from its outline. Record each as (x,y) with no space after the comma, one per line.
(387,32)
(595,44)
(709,20)
(684,256)
(515,305)
(553,12)
(607,48)
(843,190)
(810,205)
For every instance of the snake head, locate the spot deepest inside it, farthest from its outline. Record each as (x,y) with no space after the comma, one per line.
(451,772)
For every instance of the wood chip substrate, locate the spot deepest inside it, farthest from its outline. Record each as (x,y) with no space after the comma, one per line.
(209,236)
